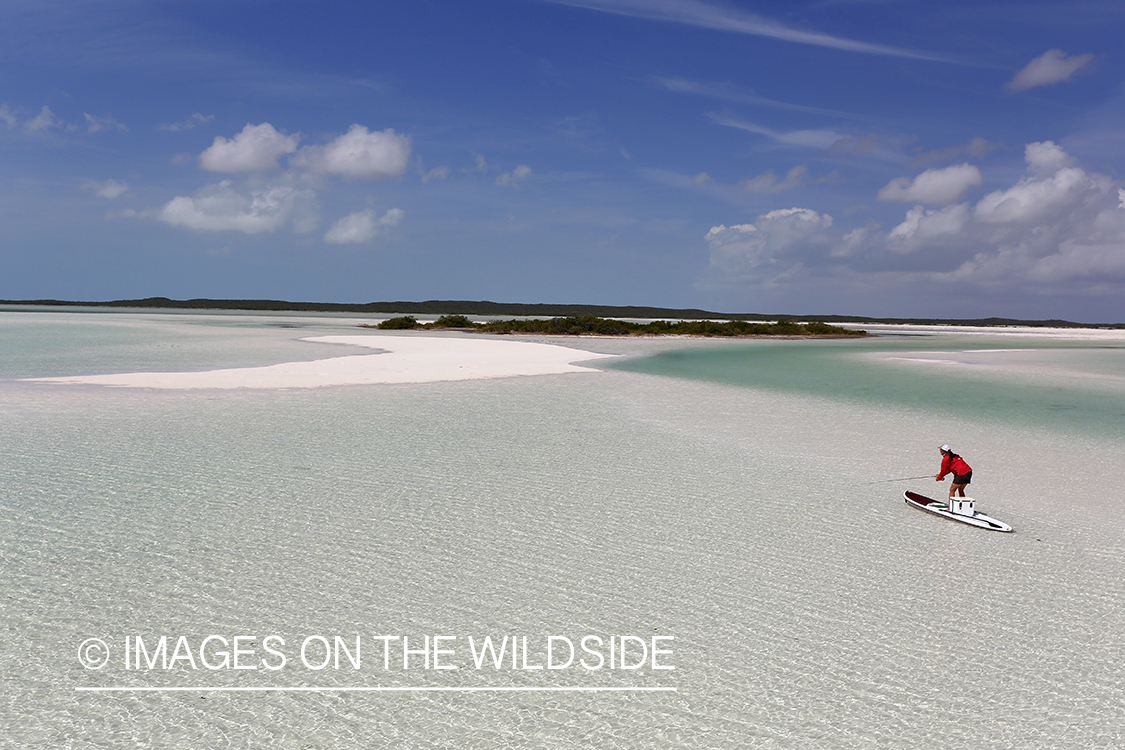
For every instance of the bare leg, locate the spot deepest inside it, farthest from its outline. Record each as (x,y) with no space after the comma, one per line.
(956,488)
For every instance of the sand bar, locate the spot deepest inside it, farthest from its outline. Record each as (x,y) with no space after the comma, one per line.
(399,359)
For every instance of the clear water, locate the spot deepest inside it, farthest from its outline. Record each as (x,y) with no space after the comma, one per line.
(1061,386)
(811,608)
(43,343)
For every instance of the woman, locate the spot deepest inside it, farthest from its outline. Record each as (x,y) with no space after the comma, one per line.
(962,472)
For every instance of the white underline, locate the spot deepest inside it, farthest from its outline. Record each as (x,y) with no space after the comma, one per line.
(303,689)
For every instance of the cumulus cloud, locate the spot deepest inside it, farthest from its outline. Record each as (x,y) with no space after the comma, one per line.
(516,176)
(359,154)
(1061,224)
(1046,158)
(935,187)
(1059,227)
(271,196)
(1053,66)
(775,244)
(256,149)
(923,227)
(362,226)
(109,189)
(225,207)
(1050,191)
(1058,223)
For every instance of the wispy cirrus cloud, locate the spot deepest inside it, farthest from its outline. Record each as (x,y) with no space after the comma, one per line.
(190,123)
(719,18)
(732,93)
(870,145)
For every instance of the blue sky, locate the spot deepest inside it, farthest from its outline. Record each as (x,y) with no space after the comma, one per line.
(869,157)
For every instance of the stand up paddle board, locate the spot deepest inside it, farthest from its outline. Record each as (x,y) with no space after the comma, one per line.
(963,510)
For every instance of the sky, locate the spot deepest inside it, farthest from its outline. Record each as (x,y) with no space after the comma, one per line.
(889,158)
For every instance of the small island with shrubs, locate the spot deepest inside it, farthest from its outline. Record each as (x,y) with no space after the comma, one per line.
(591,325)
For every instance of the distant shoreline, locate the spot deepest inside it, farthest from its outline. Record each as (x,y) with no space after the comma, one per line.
(486,308)
(591,325)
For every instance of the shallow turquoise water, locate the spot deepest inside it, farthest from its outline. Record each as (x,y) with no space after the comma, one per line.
(581,503)
(45,343)
(1059,386)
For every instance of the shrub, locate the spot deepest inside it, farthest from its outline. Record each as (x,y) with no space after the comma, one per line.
(453,321)
(404,322)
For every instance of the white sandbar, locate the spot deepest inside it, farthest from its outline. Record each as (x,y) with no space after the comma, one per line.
(400,359)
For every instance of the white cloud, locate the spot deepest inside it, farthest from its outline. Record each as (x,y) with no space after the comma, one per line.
(869,145)
(923,227)
(1060,222)
(774,244)
(45,120)
(98,124)
(854,241)
(789,224)
(737,245)
(439,173)
(256,205)
(729,19)
(1053,66)
(109,189)
(733,93)
(480,164)
(361,226)
(223,207)
(1046,157)
(1052,189)
(1060,227)
(191,123)
(256,149)
(935,187)
(1033,200)
(8,116)
(769,182)
(976,147)
(358,153)
(516,176)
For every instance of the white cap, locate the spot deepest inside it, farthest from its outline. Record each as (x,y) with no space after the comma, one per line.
(945,447)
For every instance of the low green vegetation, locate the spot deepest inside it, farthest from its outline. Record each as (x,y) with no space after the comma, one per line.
(406,322)
(576,325)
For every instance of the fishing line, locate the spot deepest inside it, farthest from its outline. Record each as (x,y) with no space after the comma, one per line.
(901,479)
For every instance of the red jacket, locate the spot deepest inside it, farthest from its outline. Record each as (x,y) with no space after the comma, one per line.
(951,462)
